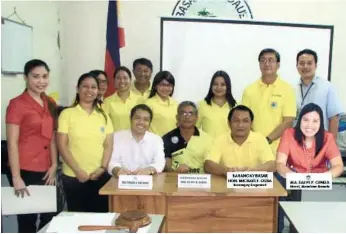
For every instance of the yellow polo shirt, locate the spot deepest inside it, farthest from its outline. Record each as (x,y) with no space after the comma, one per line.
(191,153)
(212,119)
(137,92)
(270,103)
(86,135)
(164,115)
(253,152)
(119,111)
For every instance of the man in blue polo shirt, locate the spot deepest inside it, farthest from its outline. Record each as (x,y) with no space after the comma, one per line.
(312,88)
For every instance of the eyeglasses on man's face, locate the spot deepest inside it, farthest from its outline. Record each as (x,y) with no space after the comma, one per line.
(187,114)
(267,60)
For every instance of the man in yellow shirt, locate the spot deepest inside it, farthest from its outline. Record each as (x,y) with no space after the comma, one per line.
(142,69)
(240,150)
(271,99)
(186,146)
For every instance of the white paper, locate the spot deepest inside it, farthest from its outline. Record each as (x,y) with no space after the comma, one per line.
(69,222)
(144,182)
(250,179)
(194,181)
(42,199)
(309,181)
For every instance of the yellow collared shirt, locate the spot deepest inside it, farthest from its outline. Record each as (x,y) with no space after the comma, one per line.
(119,111)
(253,152)
(164,114)
(191,153)
(270,103)
(212,119)
(145,95)
(86,135)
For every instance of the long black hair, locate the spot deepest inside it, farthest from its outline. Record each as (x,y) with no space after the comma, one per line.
(229,97)
(96,103)
(319,137)
(160,76)
(28,67)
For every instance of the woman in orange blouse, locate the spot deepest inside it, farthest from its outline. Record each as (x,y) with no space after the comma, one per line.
(308,148)
(30,121)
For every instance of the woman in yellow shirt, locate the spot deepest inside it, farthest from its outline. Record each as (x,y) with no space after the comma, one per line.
(85,142)
(214,109)
(119,104)
(162,104)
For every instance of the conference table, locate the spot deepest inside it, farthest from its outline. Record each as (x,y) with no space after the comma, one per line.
(217,209)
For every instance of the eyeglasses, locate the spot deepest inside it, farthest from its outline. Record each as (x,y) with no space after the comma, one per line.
(187,114)
(165,85)
(269,61)
(103,81)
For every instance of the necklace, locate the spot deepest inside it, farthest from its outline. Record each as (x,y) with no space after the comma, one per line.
(308,155)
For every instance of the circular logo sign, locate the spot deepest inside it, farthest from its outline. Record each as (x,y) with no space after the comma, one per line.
(213,8)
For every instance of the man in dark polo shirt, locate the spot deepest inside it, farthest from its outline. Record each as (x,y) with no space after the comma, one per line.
(186,146)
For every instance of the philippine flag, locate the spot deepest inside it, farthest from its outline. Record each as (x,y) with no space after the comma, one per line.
(115,40)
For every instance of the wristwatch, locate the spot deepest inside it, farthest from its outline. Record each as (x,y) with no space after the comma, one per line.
(269,140)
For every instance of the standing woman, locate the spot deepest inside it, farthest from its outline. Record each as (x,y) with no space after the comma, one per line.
(162,104)
(214,109)
(118,106)
(103,81)
(85,142)
(30,122)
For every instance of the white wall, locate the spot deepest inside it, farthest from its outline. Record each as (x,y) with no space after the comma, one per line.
(43,17)
(141,20)
(83,33)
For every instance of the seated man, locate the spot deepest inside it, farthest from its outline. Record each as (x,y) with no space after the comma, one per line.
(186,146)
(137,151)
(240,150)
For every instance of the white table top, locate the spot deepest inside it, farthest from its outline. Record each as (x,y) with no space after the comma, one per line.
(72,219)
(316,217)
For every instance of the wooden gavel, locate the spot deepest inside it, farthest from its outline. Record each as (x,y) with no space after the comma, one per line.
(133,229)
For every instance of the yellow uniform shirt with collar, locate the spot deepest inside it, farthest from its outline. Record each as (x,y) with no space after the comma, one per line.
(119,111)
(144,95)
(212,118)
(86,135)
(164,114)
(253,152)
(270,103)
(191,153)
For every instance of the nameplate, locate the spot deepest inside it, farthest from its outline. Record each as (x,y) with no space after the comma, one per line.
(194,181)
(135,182)
(250,179)
(309,181)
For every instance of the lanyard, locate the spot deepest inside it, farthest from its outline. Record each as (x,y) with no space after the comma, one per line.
(306,94)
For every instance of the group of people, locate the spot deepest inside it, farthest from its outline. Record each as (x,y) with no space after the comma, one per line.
(141,129)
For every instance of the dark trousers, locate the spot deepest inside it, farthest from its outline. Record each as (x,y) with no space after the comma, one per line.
(27,223)
(84,197)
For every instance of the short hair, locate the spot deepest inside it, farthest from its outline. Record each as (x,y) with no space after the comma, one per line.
(241,108)
(298,134)
(307,51)
(269,50)
(187,103)
(141,107)
(143,61)
(122,68)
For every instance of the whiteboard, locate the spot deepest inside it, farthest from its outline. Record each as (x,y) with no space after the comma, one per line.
(194,49)
(16,46)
